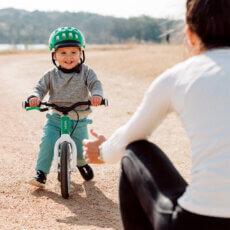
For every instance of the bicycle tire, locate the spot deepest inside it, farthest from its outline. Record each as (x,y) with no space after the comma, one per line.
(59,172)
(65,172)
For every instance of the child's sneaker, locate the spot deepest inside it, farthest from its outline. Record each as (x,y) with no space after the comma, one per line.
(39,180)
(86,172)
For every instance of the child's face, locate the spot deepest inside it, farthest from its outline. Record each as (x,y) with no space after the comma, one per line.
(67,57)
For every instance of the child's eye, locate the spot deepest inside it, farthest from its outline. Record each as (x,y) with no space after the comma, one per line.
(63,53)
(74,52)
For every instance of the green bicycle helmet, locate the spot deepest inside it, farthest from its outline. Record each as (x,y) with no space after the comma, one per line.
(66,37)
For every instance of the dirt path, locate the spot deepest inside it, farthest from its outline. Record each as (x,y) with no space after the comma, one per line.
(125,73)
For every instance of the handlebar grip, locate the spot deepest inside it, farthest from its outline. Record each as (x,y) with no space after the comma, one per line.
(104,102)
(25,104)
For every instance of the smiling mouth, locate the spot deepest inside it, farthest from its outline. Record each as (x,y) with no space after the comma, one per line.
(69,63)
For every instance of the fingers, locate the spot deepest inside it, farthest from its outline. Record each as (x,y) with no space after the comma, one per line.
(85,155)
(92,159)
(85,142)
(101,138)
(90,146)
(85,149)
(88,143)
(93,145)
(96,100)
(94,133)
(34,102)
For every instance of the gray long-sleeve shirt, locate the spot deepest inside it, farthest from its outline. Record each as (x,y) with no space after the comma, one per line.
(66,89)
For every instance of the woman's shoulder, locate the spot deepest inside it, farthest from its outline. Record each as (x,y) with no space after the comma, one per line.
(196,62)
(182,68)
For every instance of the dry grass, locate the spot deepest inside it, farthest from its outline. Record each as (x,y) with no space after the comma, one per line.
(126,72)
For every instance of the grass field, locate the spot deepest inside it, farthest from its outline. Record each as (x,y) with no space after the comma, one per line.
(126,71)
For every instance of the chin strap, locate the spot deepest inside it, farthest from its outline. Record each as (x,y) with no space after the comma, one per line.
(76,69)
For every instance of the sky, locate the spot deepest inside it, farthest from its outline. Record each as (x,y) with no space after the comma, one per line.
(173,9)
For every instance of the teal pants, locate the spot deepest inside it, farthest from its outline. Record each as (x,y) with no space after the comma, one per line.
(51,132)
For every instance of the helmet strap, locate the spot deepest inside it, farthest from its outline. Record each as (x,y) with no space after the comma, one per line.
(76,69)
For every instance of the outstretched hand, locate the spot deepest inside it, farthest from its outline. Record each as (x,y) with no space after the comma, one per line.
(91,148)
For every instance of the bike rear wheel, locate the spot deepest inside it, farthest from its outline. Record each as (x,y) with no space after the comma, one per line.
(65,169)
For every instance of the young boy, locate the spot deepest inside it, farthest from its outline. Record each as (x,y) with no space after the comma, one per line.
(68,82)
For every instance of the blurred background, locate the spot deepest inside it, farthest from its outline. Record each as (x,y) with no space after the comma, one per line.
(28,24)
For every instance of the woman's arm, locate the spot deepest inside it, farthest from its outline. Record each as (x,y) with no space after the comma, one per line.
(154,107)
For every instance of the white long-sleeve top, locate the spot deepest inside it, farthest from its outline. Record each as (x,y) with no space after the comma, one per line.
(198,90)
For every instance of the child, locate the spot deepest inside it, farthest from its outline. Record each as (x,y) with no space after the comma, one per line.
(68,82)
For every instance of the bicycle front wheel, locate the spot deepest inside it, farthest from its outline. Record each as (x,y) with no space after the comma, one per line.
(65,169)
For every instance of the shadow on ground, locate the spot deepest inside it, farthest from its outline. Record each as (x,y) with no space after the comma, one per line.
(95,209)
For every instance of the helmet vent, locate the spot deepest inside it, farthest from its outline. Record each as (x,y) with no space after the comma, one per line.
(57,38)
(76,36)
(63,36)
(70,35)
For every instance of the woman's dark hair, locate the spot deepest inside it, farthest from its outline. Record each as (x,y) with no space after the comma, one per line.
(210,20)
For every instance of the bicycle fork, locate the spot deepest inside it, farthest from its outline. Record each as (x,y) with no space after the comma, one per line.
(65,136)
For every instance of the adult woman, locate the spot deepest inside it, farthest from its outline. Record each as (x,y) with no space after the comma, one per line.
(153,195)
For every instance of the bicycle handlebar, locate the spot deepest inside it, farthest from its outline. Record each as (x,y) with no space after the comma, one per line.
(63,109)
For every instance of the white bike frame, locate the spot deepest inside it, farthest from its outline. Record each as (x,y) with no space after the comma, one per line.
(65,137)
